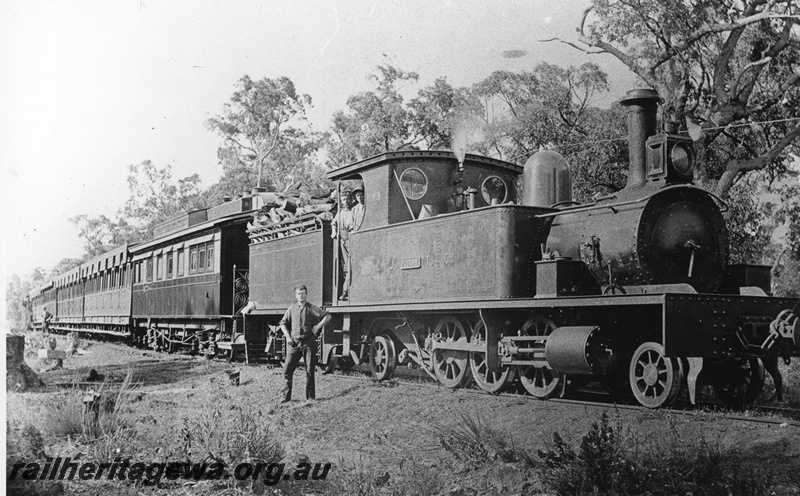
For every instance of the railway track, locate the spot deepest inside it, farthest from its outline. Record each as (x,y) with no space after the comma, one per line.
(579,397)
(593,399)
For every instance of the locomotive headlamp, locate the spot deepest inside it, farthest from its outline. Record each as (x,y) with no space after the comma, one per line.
(681,158)
(670,159)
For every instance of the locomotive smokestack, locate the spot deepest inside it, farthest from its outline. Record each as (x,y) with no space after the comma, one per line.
(642,107)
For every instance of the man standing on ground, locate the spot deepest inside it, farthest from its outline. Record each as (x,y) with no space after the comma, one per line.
(301,324)
(46,318)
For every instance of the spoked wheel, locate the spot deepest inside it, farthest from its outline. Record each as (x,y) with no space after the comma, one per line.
(451,367)
(540,382)
(491,382)
(655,379)
(382,358)
(739,381)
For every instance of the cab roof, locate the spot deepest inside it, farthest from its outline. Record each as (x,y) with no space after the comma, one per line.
(368,163)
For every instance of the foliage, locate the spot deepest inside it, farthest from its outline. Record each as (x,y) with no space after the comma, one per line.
(789,213)
(100,234)
(154,197)
(716,64)
(606,462)
(17,290)
(474,441)
(749,226)
(262,125)
(61,415)
(537,108)
(786,279)
(229,436)
(437,112)
(550,107)
(376,121)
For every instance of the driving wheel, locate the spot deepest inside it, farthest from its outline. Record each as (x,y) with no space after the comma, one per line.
(451,366)
(491,382)
(540,382)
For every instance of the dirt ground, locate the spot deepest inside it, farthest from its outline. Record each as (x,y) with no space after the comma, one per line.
(385,436)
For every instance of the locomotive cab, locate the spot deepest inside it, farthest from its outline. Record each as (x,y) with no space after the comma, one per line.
(438,229)
(414,185)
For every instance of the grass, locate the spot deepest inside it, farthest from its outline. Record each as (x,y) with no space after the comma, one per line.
(607,461)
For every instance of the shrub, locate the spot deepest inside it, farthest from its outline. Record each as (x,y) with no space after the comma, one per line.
(60,416)
(473,441)
(607,463)
(230,436)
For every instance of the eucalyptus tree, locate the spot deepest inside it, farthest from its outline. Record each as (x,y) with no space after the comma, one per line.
(261,118)
(727,69)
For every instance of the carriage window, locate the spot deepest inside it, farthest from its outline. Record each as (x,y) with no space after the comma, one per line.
(160,267)
(193,260)
(181,261)
(170,265)
(414,183)
(202,264)
(494,190)
(149,269)
(210,258)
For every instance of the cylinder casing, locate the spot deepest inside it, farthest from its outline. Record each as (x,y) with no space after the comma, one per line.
(583,350)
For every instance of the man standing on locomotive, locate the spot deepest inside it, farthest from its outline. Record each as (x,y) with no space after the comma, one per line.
(340,228)
(307,321)
(358,208)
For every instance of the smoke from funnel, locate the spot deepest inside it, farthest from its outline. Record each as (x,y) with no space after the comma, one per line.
(465,131)
(460,140)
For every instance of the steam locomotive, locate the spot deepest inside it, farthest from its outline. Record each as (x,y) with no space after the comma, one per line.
(455,272)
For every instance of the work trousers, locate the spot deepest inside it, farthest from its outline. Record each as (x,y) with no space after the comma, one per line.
(293,355)
(345,263)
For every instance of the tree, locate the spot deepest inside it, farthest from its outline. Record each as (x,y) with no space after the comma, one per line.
(17,291)
(153,199)
(749,223)
(436,112)
(789,214)
(542,107)
(100,234)
(551,107)
(717,65)
(65,265)
(376,121)
(259,120)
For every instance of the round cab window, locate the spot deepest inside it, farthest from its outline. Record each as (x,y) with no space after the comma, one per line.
(414,183)
(494,190)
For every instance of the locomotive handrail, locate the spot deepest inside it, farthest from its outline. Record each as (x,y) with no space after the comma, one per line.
(613,206)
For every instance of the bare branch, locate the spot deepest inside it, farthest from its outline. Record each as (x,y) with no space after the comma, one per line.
(738,80)
(739,166)
(574,45)
(708,29)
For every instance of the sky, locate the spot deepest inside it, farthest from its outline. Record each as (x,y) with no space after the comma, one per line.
(90,87)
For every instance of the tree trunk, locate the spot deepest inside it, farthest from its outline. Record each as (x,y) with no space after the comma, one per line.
(19,377)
